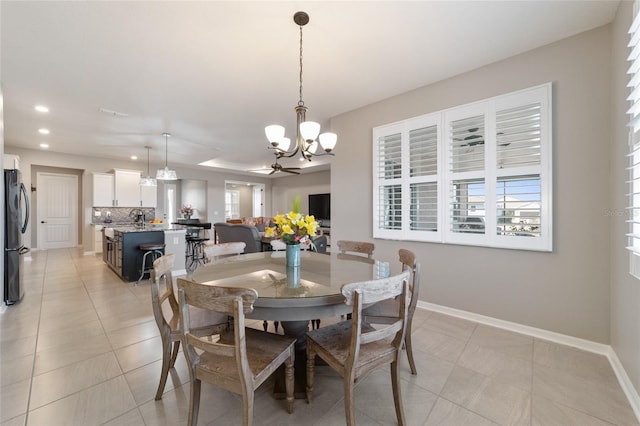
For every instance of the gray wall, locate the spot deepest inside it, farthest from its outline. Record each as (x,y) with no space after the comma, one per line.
(194,192)
(625,290)
(566,291)
(214,183)
(285,189)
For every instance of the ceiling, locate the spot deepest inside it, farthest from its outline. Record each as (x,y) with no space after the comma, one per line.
(214,74)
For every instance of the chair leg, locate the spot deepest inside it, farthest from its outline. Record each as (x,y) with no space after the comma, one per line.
(349,409)
(289,380)
(166,365)
(247,409)
(397,398)
(315,324)
(265,325)
(311,359)
(409,347)
(194,407)
(174,354)
(275,325)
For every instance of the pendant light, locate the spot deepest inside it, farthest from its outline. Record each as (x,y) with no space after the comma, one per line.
(166,173)
(308,139)
(148,181)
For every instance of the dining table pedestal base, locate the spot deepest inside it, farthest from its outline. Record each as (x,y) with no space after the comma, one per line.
(297,329)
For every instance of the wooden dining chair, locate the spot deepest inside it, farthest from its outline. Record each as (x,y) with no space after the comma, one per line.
(345,246)
(386,310)
(353,348)
(167,316)
(168,326)
(214,251)
(238,360)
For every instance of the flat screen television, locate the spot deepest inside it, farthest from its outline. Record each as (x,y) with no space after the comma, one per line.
(320,206)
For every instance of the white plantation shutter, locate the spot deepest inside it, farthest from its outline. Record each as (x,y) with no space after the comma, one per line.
(466,149)
(388,169)
(518,159)
(478,174)
(406,183)
(634,143)
(467,144)
(423,174)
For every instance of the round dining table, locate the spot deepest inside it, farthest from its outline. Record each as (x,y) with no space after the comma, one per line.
(317,296)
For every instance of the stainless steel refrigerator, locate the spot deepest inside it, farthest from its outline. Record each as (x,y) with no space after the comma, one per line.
(15,224)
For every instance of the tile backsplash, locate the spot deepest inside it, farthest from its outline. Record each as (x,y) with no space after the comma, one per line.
(120,214)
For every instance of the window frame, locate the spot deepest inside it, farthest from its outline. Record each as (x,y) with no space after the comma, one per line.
(633,205)
(492,176)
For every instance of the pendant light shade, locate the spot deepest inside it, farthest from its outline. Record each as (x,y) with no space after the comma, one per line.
(166,173)
(148,180)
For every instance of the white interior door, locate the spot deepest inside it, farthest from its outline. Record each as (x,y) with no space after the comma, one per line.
(258,202)
(57,197)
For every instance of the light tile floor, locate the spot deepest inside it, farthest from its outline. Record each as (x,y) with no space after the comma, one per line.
(82,348)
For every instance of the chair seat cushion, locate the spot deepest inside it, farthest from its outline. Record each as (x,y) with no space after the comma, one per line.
(262,349)
(336,339)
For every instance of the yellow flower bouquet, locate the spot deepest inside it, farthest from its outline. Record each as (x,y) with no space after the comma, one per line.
(293,228)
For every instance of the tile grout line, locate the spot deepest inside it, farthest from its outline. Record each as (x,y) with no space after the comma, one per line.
(113,352)
(35,348)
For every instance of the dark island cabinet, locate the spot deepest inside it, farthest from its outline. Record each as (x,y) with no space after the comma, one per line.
(122,254)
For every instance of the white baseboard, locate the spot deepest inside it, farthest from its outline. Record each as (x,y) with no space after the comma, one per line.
(563,339)
(88,253)
(625,382)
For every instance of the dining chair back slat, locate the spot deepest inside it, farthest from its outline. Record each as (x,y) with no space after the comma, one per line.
(346,246)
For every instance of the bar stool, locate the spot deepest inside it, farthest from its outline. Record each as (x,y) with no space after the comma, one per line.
(156,250)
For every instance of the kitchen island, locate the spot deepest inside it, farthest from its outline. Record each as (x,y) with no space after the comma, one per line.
(120,247)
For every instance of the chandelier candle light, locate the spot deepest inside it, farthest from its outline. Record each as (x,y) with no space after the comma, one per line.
(306,131)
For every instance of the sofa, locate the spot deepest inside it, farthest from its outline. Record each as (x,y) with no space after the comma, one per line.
(229,233)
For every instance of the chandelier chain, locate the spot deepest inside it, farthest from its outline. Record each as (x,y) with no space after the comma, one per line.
(301,102)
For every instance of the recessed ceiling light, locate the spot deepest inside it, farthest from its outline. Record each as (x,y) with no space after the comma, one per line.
(41,108)
(44,145)
(44,131)
(134,157)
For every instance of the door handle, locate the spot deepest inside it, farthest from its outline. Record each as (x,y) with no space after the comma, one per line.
(42,221)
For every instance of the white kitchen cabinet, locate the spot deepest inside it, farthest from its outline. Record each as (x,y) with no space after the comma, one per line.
(11,161)
(149,196)
(103,195)
(127,188)
(122,189)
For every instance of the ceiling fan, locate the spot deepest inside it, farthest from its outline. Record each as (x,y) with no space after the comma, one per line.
(277,167)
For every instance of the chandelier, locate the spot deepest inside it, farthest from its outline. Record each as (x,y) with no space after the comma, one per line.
(306,131)
(148,181)
(166,173)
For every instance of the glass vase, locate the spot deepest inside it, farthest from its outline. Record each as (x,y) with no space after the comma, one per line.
(293,265)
